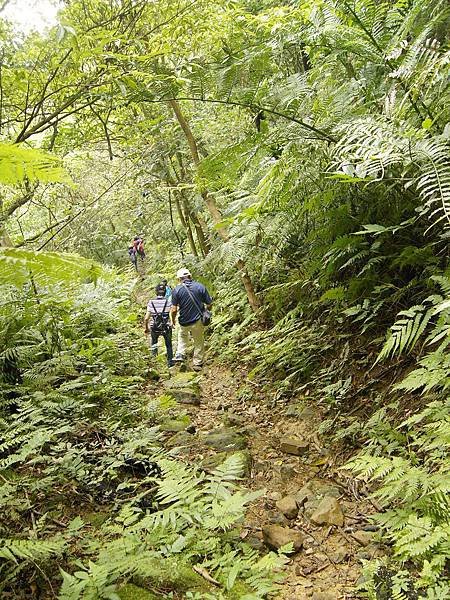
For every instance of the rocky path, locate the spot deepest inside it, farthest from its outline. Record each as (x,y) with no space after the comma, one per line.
(306,501)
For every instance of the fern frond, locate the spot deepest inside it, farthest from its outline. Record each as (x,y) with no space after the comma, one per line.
(35,550)
(18,163)
(405,332)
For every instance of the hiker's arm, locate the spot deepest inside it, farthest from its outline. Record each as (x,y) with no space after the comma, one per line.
(146,320)
(207,299)
(173,314)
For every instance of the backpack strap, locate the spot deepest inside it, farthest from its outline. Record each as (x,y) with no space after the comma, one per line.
(163,310)
(196,304)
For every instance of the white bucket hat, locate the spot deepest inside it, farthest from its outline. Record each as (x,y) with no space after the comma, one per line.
(183,273)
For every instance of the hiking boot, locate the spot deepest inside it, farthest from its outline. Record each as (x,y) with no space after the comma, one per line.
(179,358)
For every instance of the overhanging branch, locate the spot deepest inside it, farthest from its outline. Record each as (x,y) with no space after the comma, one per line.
(323,135)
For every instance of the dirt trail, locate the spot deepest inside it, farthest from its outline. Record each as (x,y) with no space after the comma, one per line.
(329,564)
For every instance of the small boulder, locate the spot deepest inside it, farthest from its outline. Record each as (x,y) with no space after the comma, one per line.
(174,425)
(254,542)
(274,495)
(363,537)
(180,439)
(310,495)
(288,506)
(304,494)
(186,397)
(181,381)
(287,472)
(292,445)
(339,556)
(276,518)
(328,512)
(225,440)
(232,419)
(275,537)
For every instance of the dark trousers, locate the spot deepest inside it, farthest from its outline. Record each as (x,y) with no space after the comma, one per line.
(168,340)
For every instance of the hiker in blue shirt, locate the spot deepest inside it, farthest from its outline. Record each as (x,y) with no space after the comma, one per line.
(189,300)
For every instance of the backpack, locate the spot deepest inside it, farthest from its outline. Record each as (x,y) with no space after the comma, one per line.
(160,322)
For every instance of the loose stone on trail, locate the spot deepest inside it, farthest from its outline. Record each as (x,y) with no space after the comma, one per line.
(174,425)
(276,536)
(292,445)
(184,388)
(225,440)
(288,506)
(181,439)
(312,493)
(186,397)
(363,537)
(328,512)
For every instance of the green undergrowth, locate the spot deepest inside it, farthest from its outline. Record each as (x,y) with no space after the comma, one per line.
(384,401)
(92,505)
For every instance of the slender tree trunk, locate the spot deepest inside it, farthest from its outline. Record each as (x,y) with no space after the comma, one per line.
(210,202)
(199,225)
(184,218)
(190,215)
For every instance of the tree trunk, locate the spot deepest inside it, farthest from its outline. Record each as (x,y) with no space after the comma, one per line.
(201,238)
(199,224)
(210,202)
(184,218)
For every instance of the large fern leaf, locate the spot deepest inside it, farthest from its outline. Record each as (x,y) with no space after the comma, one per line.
(18,163)
(17,266)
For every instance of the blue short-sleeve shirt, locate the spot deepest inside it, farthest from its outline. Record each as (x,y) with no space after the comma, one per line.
(189,313)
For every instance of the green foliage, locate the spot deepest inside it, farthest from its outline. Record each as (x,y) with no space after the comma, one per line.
(21,266)
(321,135)
(413,480)
(78,433)
(18,164)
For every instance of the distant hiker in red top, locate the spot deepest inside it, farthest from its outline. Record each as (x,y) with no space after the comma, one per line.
(138,244)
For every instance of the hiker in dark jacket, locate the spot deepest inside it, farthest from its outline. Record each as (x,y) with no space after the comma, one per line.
(189,299)
(158,317)
(133,256)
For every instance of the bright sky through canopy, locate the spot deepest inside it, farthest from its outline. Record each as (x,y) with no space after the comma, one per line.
(29,15)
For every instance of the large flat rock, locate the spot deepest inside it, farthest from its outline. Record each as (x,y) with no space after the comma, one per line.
(225,440)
